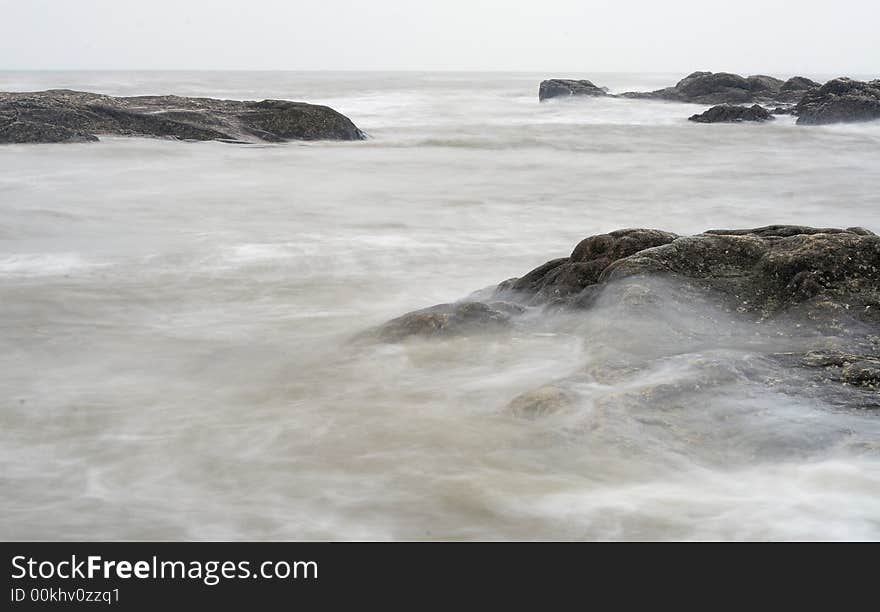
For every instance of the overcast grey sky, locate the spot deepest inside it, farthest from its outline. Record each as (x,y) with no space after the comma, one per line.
(813,36)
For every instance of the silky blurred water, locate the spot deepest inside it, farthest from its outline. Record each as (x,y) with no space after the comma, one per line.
(176,323)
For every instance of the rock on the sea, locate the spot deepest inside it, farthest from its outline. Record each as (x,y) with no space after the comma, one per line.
(560,279)
(704,88)
(729,88)
(840,100)
(772,269)
(730,113)
(766,270)
(823,281)
(74,116)
(555,88)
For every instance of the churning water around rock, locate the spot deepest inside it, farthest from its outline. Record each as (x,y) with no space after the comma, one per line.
(177,321)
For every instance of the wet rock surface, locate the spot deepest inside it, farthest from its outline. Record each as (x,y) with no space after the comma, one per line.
(563,279)
(765,271)
(729,113)
(822,282)
(840,101)
(73,116)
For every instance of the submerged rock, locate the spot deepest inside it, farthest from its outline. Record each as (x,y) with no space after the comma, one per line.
(539,402)
(74,116)
(449,320)
(729,113)
(858,369)
(554,88)
(840,101)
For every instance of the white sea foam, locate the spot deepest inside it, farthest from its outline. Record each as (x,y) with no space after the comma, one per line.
(43,264)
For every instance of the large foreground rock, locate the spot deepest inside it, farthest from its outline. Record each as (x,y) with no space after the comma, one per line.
(555,88)
(810,297)
(840,101)
(765,271)
(730,113)
(74,116)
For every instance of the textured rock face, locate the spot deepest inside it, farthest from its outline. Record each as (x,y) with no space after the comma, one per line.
(765,271)
(729,113)
(770,270)
(555,88)
(840,101)
(72,116)
(818,285)
(561,279)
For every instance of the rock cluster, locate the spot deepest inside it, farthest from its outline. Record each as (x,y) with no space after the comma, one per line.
(840,101)
(74,116)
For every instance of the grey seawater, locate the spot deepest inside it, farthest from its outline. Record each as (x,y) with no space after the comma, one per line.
(176,323)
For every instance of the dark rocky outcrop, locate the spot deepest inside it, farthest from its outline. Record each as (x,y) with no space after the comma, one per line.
(819,288)
(761,84)
(73,116)
(840,101)
(772,269)
(709,88)
(730,113)
(729,88)
(767,269)
(764,270)
(561,279)
(820,284)
(555,88)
